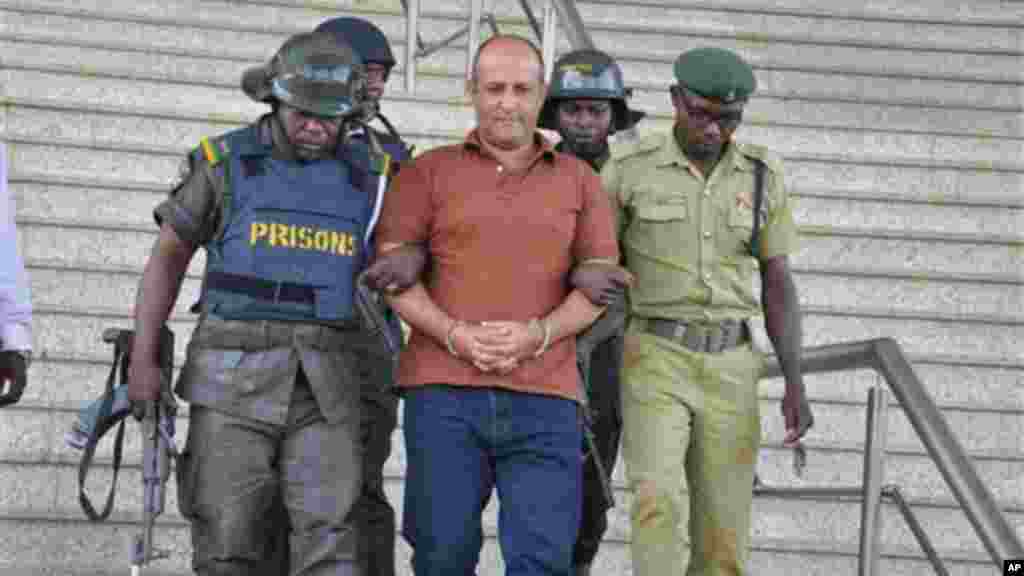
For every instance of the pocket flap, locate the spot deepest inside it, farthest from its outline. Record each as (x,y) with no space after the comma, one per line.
(661,212)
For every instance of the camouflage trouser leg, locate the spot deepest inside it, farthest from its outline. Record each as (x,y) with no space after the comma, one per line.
(373,513)
(237,473)
(604,399)
(691,433)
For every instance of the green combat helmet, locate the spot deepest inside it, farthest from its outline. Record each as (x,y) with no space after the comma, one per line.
(588,74)
(314,72)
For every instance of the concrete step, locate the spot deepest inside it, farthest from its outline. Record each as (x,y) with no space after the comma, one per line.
(951,385)
(37,435)
(983,13)
(89,286)
(108,542)
(64,333)
(986,13)
(896,216)
(988,432)
(797,23)
(910,178)
(906,295)
(786,50)
(444,119)
(68,382)
(838,464)
(916,474)
(830,522)
(85,244)
(136,128)
(213,60)
(919,337)
(84,201)
(58,545)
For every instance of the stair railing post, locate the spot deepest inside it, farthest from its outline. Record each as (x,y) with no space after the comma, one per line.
(412,24)
(476,9)
(549,38)
(874,472)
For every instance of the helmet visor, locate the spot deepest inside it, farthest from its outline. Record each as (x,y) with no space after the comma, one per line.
(325,90)
(606,84)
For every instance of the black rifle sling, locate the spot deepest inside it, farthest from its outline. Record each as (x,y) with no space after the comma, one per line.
(120,364)
(755,234)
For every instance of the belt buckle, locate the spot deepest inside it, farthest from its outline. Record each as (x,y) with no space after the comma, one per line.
(714,340)
(679,331)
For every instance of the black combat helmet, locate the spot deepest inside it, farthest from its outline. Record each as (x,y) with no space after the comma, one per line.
(314,72)
(365,38)
(588,74)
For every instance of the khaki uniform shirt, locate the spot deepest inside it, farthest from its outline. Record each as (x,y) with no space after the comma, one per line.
(686,238)
(249,368)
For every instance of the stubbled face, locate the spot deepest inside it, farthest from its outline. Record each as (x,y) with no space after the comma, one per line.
(709,124)
(584,125)
(311,136)
(507,94)
(376,80)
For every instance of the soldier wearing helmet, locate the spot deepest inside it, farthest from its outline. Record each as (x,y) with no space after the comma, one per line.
(374,514)
(586,103)
(283,208)
(372,46)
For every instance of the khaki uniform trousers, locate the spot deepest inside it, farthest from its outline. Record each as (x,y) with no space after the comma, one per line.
(691,434)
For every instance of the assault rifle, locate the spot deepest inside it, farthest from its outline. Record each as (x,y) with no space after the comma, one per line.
(158,448)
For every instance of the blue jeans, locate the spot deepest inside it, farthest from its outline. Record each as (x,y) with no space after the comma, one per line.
(463,442)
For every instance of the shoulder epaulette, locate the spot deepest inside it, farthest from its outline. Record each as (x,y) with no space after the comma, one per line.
(625,148)
(771,159)
(214,150)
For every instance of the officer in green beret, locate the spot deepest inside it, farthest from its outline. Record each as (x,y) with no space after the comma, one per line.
(693,228)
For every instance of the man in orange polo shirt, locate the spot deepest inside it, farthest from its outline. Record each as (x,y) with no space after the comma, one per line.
(489,375)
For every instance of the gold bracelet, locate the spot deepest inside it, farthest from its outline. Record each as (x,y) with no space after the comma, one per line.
(547,338)
(449,338)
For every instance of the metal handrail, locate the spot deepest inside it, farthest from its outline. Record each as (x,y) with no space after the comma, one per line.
(554,11)
(885,356)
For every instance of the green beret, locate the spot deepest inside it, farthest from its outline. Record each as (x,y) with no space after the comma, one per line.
(715,73)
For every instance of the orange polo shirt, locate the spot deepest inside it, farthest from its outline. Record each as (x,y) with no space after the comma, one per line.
(502,245)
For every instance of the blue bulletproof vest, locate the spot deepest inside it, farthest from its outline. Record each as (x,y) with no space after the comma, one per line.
(295,234)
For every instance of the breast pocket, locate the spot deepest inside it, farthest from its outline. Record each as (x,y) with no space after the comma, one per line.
(657,227)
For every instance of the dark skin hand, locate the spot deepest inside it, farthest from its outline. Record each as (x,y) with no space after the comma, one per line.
(13,377)
(397,270)
(602,283)
(158,291)
(782,322)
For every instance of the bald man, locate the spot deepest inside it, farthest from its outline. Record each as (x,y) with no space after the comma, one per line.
(489,376)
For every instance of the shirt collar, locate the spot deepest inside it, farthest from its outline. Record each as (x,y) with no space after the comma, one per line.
(546,149)
(670,153)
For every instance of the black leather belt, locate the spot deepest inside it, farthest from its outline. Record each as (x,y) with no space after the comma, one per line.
(706,338)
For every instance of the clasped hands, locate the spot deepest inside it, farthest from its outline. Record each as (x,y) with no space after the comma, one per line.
(496,346)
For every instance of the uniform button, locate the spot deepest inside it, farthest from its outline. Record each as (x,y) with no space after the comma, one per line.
(707,234)
(707,276)
(707,192)
(501,168)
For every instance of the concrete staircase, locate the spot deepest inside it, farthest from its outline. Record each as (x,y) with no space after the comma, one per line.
(902,125)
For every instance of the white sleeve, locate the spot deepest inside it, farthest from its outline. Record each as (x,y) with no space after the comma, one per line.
(15,297)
